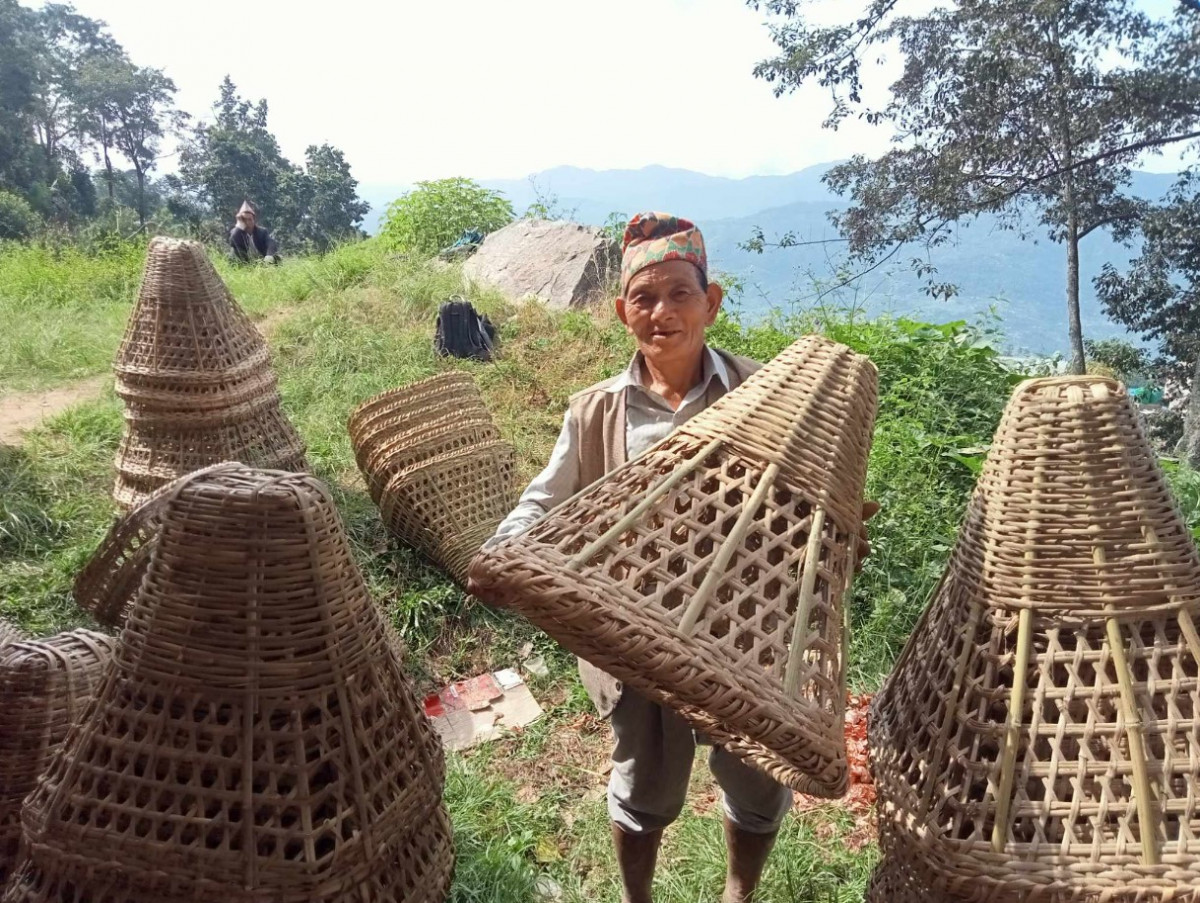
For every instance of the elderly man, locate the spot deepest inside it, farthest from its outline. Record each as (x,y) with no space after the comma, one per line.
(249,241)
(666,303)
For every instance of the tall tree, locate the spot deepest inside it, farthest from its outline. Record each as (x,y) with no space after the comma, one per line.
(330,206)
(236,157)
(69,43)
(143,112)
(19,44)
(1159,295)
(1003,107)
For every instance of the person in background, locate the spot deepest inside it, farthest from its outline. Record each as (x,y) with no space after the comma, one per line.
(666,303)
(249,241)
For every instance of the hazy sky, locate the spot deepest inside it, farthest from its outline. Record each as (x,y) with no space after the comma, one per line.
(496,88)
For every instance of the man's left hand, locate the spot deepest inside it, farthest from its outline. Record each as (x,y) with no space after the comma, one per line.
(869,510)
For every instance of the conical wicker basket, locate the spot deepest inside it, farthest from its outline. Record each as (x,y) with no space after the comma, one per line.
(255,738)
(448,506)
(44,688)
(1038,739)
(709,572)
(196,379)
(380,418)
(440,437)
(108,583)
(434,462)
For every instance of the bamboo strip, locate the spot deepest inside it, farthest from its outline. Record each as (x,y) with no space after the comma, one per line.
(729,545)
(1012,731)
(804,606)
(1137,751)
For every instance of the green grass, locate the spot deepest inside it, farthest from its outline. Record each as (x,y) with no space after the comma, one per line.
(65,310)
(358,321)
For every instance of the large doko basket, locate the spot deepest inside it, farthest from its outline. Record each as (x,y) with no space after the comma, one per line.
(708,573)
(1038,739)
(196,379)
(448,506)
(435,464)
(255,738)
(44,687)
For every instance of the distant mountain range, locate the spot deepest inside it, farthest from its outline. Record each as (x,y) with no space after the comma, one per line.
(1024,281)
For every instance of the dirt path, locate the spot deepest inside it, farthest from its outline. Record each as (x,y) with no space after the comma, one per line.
(21,411)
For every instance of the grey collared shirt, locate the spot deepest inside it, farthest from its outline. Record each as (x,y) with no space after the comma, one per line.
(648,419)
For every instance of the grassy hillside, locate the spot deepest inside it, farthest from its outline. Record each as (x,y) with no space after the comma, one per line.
(530,808)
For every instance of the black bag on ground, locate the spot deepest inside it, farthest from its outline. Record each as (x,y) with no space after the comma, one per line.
(462,332)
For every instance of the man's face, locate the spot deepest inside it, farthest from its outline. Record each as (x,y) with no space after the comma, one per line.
(247,221)
(667,311)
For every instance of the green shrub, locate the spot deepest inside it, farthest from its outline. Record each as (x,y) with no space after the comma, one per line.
(17,218)
(434,214)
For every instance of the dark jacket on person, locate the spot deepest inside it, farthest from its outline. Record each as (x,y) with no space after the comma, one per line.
(239,241)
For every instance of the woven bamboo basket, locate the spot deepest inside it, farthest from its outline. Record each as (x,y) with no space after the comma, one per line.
(107,584)
(441,437)
(893,882)
(383,416)
(255,738)
(44,687)
(709,572)
(196,379)
(1038,734)
(448,506)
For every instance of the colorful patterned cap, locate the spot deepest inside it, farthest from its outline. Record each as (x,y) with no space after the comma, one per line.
(652,238)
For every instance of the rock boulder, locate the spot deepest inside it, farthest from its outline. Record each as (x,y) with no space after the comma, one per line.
(563,264)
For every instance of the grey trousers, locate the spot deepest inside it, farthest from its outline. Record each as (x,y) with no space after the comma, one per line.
(652,762)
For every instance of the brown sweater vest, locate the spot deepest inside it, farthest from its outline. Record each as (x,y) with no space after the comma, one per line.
(598,417)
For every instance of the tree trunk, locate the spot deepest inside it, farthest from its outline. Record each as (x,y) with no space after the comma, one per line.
(1191,423)
(1071,205)
(141,177)
(109,172)
(1078,359)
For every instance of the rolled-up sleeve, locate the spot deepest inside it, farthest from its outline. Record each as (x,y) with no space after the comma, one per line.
(553,486)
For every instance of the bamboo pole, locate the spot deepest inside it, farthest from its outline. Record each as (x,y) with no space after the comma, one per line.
(1135,731)
(729,545)
(1012,731)
(791,676)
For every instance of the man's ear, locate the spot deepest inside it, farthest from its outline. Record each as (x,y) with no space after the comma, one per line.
(621,311)
(716,295)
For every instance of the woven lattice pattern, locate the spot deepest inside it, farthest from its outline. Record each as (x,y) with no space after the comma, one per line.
(378,420)
(448,506)
(709,572)
(434,462)
(1039,731)
(107,584)
(418,445)
(255,738)
(196,379)
(44,688)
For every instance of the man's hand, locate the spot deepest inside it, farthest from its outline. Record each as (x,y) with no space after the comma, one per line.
(870,509)
(269,259)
